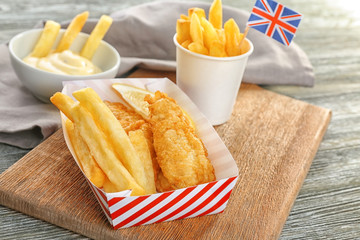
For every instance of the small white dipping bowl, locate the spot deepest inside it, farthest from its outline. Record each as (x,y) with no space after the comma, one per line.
(44,84)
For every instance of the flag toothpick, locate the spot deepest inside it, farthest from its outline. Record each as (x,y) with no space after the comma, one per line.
(244,36)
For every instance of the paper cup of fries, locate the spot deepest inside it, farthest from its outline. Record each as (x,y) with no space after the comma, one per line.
(212,83)
(211,58)
(124,210)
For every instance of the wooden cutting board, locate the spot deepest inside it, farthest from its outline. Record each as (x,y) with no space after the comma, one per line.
(273,139)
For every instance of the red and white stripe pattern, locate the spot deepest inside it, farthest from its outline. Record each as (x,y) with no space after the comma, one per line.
(204,199)
(123,210)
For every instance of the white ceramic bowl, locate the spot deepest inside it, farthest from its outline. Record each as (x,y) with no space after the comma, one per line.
(44,84)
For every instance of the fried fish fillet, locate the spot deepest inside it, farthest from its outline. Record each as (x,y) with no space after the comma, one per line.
(181,154)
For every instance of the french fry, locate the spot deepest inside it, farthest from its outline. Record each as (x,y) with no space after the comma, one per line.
(100,148)
(109,187)
(196,31)
(210,35)
(182,30)
(95,37)
(139,142)
(64,103)
(88,164)
(72,31)
(186,44)
(221,34)
(183,16)
(197,47)
(233,37)
(215,14)
(46,40)
(114,132)
(198,11)
(245,46)
(217,49)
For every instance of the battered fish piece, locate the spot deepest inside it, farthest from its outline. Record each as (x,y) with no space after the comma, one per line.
(181,155)
(129,119)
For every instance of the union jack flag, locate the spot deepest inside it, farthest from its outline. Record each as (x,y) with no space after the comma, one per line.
(275,20)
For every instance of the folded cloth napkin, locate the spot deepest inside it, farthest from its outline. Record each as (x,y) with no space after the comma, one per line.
(143,35)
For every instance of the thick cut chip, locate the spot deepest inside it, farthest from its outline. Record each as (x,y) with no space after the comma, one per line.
(109,187)
(186,44)
(197,47)
(139,142)
(233,38)
(87,163)
(96,36)
(217,49)
(72,31)
(198,11)
(183,16)
(244,46)
(46,40)
(196,31)
(215,14)
(182,30)
(64,103)
(221,34)
(210,34)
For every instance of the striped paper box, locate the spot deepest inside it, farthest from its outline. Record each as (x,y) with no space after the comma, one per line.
(124,210)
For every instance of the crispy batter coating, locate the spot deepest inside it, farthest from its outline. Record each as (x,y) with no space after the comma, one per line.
(181,155)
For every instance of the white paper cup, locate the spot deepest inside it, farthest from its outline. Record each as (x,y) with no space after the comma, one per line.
(212,83)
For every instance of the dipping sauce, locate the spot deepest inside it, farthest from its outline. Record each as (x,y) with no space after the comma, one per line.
(66,62)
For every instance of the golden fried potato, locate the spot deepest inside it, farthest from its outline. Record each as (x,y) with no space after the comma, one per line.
(87,163)
(182,30)
(196,47)
(46,40)
(183,16)
(233,38)
(210,35)
(221,35)
(72,31)
(198,11)
(140,144)
(217,49)
(196,31)
(109,187)
(64,103)
(186,44)
(96,36)
(215,14)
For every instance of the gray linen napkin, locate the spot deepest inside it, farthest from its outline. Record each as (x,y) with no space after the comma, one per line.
(143,36)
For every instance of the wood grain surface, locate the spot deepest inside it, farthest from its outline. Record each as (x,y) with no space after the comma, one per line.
(328,204)
(272,138)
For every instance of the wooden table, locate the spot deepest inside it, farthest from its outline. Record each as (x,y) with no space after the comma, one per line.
(328,205)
